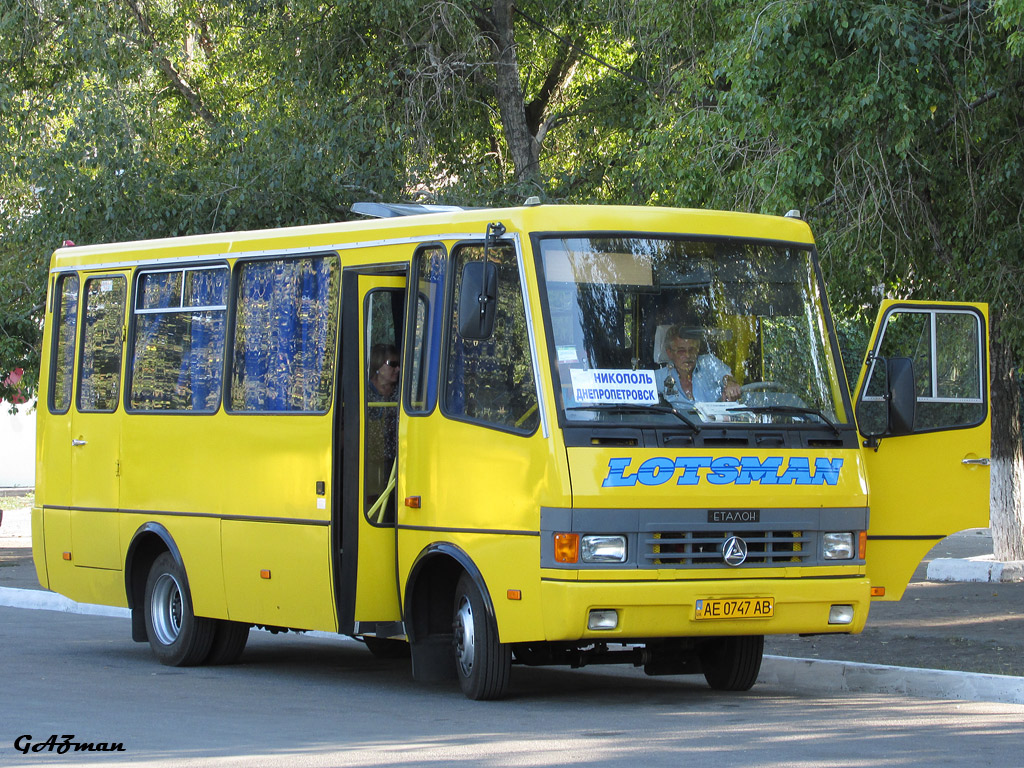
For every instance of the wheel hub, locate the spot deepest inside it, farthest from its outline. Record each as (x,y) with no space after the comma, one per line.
(166,609)
(465,639)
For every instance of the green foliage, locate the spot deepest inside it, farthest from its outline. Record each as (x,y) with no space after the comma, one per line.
(893,125)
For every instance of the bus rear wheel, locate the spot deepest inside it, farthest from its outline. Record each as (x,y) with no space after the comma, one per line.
(732,663)
(177,636)
(229,639)
(482,663)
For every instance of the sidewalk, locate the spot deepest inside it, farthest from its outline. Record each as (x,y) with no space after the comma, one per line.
(915,646)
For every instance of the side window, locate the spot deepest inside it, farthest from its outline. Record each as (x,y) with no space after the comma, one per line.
(946,347)
(285,332)
(491,381)
(65,325)
(99,383)
(178,351)
(429,272)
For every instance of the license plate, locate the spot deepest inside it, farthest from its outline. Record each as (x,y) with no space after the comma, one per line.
(736,608)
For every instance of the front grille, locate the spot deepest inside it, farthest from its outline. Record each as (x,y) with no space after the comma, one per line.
(703,548)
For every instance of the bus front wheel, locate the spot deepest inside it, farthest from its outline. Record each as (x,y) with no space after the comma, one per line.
(482,663)
(733,663)
(177,636)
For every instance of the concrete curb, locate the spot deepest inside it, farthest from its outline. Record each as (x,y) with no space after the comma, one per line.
(976,569)
(849,676)
(811,675)
(41,600)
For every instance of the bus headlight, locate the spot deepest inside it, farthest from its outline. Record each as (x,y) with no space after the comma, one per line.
(839,546)
(603,549)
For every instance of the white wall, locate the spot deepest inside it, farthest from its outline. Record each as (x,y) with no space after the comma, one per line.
(17,446)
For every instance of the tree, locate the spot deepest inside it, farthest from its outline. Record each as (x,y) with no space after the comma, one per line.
(134,119)
(896,128)
(892,124)
(137,119)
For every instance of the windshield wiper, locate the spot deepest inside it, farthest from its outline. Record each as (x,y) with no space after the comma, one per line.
(795,410)
(625,408)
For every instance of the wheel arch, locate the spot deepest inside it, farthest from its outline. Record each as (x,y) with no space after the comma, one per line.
(429,598)
(149,542)
(432,581)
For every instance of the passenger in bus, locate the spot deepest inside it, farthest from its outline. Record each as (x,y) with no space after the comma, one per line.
(382,421)
(695,374)
(384,365)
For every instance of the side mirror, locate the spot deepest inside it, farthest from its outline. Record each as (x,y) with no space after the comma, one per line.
(888,405)
(902,395)
(478,298)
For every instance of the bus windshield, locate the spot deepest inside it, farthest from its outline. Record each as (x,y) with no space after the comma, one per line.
(670,330)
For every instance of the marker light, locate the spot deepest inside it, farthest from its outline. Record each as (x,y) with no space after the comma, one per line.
(840,614)
(603,619)
(567,547)
(838,546)
(603,549)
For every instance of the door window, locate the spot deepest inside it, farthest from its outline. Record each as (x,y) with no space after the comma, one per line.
(382,347)
(99,383)
(947,350)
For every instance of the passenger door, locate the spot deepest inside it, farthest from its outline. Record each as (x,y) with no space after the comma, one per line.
(374,346)
(95,426)
(934,481)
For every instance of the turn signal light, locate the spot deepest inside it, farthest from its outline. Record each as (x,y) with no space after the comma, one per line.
(567,547)
(862,545)
(878,591)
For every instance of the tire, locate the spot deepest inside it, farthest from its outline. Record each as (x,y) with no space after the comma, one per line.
(386,648)
(177,636)
(229,639)
(482,663)
(732,663)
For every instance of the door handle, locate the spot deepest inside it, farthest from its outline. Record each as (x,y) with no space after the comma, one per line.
(78,442)
(977,462)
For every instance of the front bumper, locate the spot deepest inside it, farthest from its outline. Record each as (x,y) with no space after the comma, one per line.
(659,609)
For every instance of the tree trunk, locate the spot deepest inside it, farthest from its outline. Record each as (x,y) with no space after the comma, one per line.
(522,146)
(1007,489)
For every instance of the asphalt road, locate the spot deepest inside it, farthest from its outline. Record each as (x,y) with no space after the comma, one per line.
(309,701)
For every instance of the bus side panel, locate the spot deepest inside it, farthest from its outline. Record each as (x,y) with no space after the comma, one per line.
(197,539)
(491,512)
(94,539)
(39,547)
(80,583)
(246,469)
(278,574)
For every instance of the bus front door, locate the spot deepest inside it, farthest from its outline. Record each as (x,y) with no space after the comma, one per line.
(928,470)
(371,433)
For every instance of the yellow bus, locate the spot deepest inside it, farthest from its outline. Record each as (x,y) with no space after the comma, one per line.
(537,435)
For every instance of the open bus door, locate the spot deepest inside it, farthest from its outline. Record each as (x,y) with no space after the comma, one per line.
(374,309)
(923,410)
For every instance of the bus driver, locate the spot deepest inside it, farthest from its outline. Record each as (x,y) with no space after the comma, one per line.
(693,377)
